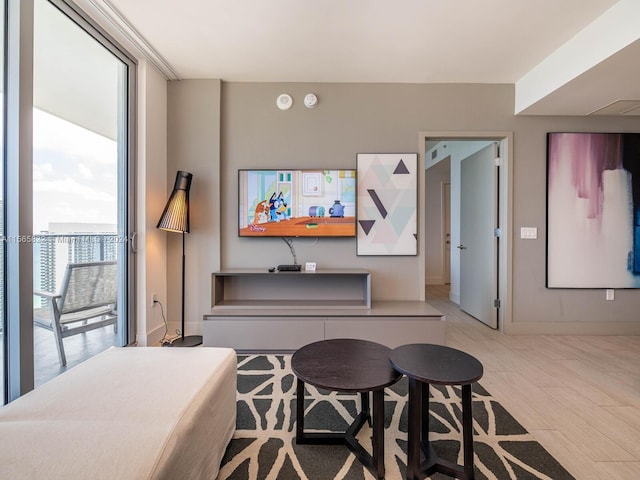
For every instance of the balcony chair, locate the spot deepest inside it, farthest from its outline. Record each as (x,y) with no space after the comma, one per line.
(87,300)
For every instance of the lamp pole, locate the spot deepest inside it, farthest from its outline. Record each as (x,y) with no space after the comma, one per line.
(182,340)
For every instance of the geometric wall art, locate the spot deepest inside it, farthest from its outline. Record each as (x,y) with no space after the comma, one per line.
(387,201)
(593,210)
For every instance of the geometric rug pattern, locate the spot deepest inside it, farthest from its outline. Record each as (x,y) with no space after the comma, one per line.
(263,446)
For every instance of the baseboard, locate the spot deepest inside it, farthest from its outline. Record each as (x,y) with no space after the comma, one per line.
(150,338)
(155,336)
(434,281)
(572,328)
(454,297)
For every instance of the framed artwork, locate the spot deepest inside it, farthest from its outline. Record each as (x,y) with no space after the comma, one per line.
(312,184)
(593,210)
(387,203)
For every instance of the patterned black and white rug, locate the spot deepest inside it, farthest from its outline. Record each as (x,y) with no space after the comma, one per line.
(263,446)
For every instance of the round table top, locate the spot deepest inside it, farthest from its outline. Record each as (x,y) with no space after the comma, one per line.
(436,364)
(345,365)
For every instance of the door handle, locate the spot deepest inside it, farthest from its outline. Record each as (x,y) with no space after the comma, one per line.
(134,242)
(461,247)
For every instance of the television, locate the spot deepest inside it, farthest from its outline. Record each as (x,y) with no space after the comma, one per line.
(297,203)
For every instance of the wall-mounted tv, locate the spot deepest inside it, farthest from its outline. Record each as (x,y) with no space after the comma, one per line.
(297,203)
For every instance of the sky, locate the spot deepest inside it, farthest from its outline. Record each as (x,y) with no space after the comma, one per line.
(74,174)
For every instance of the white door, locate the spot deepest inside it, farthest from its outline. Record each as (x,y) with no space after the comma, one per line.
(478,243)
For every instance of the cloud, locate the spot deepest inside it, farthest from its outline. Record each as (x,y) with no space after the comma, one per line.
(85,172)
(69,186)
(42,171)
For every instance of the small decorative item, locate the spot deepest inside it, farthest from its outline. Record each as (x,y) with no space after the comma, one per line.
(387,203)
(316,211)
(336,210)
(593,210)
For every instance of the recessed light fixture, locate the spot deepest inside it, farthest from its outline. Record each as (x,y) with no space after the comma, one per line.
(284,101)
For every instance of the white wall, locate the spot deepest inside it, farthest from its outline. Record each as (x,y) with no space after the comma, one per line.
(152,188)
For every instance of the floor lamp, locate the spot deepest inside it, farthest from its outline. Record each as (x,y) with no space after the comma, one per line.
(175,218)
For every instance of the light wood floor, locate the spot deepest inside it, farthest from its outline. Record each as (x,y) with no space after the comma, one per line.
(579,396)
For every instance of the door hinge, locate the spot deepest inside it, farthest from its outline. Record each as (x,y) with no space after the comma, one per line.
(497,232)
(496,303)
(497,161)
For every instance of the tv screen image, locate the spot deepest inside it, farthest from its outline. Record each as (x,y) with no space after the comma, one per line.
(297,203)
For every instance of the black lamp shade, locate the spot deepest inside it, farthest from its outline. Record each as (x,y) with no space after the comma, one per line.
(175,217)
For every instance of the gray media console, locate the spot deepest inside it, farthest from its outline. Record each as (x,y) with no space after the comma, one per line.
(257,310)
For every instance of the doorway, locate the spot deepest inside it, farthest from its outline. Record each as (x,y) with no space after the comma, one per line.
(438,148)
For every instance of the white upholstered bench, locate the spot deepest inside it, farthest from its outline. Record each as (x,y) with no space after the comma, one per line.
(127,413)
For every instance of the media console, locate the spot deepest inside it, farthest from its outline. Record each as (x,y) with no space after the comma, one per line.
(258,310)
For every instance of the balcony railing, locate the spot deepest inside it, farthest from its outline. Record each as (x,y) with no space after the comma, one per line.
(51,254)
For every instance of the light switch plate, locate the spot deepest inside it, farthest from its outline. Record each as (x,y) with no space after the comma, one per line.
(529,233)
(310,266)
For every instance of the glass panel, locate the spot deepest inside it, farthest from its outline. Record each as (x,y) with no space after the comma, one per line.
(3,373)
(78,108)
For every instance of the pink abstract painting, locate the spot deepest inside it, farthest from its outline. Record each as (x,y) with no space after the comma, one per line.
(593,210)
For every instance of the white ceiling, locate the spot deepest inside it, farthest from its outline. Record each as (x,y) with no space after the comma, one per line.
(564,56)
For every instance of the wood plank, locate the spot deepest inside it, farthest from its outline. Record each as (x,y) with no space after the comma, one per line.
(619,470)
(604,370)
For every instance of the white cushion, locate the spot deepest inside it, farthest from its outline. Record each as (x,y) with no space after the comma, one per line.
(127,413)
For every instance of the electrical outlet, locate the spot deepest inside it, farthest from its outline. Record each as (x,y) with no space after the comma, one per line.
(154,299)
(610,294)
(310,266)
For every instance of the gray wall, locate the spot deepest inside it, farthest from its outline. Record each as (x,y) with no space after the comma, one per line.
(352,118)
(193,144)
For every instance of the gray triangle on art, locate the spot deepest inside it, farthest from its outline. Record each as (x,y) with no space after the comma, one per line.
(401,169)
(366,225)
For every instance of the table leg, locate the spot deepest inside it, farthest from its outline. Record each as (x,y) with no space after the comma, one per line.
(414,421)
(467,432)
(378,432)
(425,413)
(364,406)
(299,411)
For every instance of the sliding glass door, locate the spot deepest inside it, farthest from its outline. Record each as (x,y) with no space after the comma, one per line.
(80,194)
(3,338)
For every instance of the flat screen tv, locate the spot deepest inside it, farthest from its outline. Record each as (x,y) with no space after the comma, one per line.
(297,203)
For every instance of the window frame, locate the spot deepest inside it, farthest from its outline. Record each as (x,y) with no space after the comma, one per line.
(18,182)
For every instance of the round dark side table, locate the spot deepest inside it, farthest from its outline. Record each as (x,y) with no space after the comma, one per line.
(425,364)
(347,365)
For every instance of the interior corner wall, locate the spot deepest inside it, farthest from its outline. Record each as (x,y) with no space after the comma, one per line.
(361,118)
(435,177)
(193,145)
(151,193)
